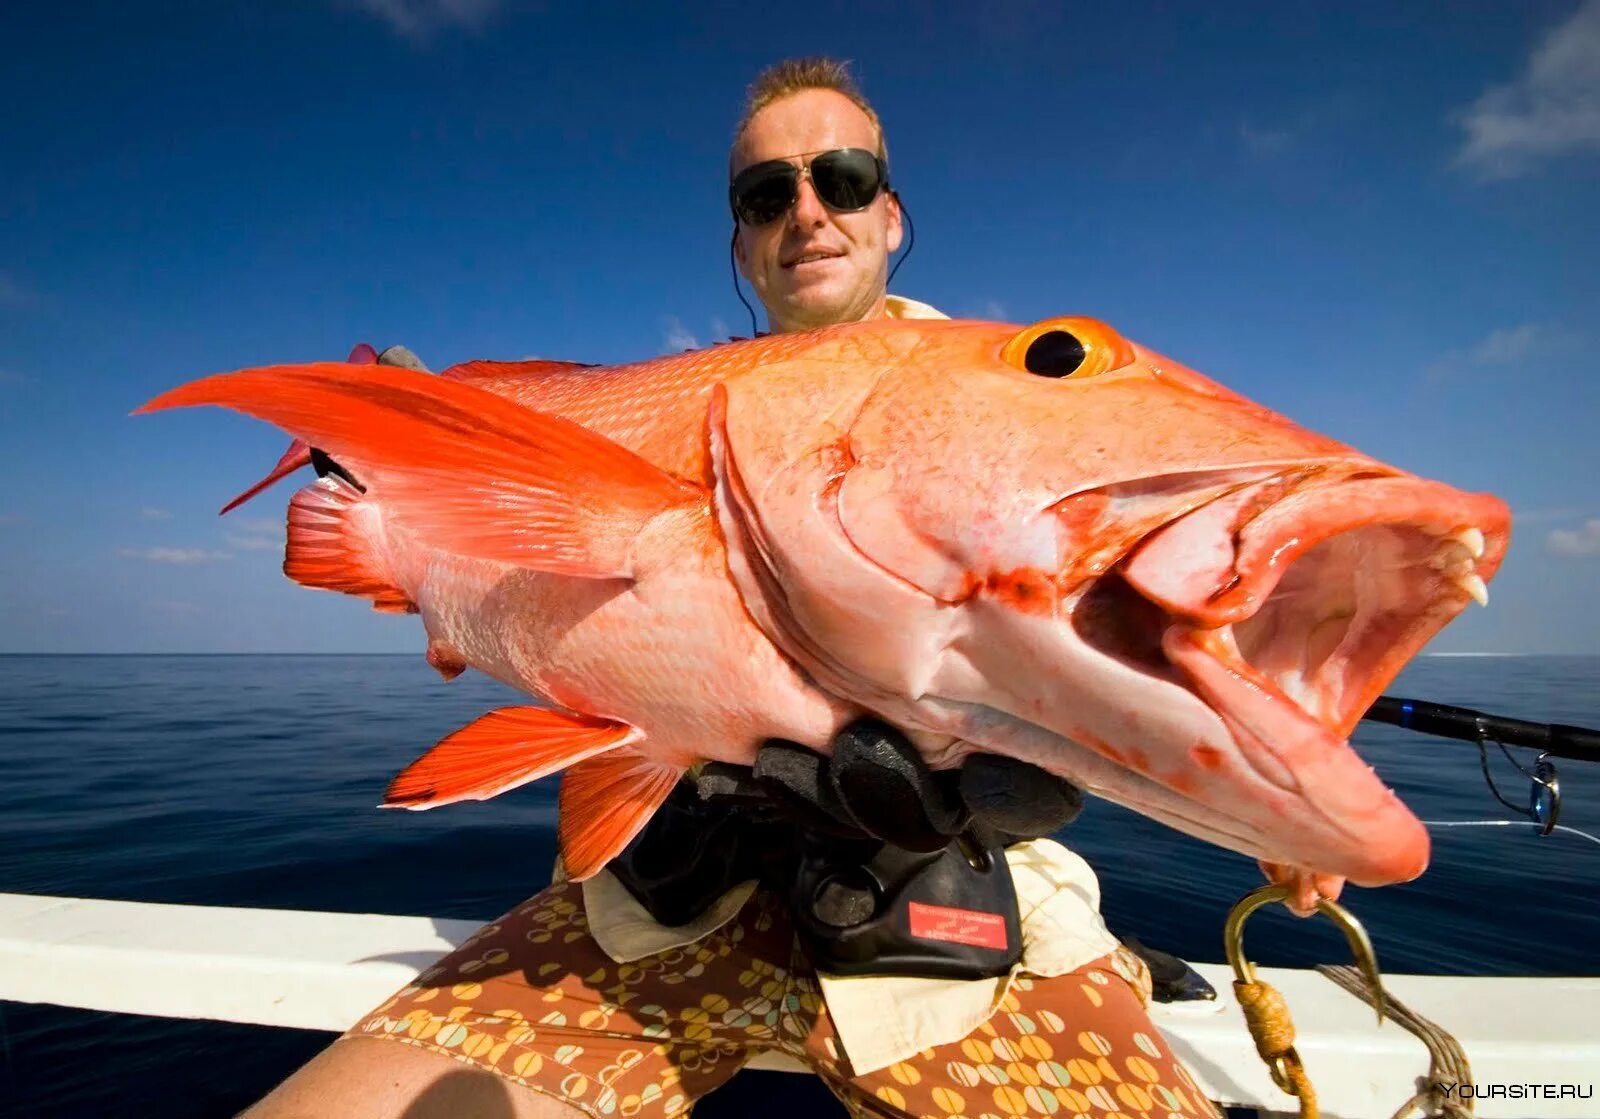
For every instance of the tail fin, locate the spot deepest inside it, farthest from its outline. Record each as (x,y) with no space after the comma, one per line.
(478,474)
(331,547)
(299,453)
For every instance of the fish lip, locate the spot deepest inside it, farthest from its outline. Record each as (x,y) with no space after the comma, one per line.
(1382,841)
(1334,578)
(1342,525)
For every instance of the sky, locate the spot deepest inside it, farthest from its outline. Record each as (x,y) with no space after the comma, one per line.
(1378,219)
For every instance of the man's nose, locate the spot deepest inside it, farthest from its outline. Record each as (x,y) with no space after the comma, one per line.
(808,212)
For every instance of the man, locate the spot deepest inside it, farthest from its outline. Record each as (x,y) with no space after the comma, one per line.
(817,266)
(584,1001)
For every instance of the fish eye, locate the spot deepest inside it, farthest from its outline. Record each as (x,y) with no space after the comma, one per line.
(1074,347)
(1055,353)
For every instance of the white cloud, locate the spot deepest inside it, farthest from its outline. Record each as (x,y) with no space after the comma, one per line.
(151,513)
(678,336)
(180,556)
(994,311)
(256,534)
(417,19)
(1505,346)
(259,525)
(1552,108)
(719,330)
(254,543)
(1583,542)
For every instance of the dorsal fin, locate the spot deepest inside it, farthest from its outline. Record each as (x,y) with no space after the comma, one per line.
(484,370)
(476,474)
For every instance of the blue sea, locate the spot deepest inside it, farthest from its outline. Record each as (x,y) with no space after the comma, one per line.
(252,780)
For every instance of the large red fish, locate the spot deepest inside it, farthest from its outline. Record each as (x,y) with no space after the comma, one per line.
(1043,542)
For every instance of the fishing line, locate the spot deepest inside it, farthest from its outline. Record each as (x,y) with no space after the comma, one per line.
(1507,824)
(911,233)
(733,266)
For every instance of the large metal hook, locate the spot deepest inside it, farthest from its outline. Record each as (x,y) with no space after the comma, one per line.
(1354,933)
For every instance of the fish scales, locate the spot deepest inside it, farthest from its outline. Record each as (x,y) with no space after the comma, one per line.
(1042,541)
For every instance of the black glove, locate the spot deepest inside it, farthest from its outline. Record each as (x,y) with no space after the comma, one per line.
(877,836)
(877,786)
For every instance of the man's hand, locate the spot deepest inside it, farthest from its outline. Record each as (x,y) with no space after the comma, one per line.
(404,358)
(877,786)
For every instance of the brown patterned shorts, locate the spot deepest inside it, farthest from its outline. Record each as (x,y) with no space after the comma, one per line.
(533,998)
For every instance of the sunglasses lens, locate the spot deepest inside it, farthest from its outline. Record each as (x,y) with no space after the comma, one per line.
(847,179)
(763,192)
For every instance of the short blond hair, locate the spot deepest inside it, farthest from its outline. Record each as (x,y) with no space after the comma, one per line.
(795,75)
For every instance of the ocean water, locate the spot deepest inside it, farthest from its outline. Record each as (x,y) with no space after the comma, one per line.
(252,781)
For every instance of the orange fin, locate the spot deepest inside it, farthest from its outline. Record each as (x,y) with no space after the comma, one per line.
(330,547)
(298,454)
(493,370)
(293,459)
(604,804)
(505,748)
(472,472)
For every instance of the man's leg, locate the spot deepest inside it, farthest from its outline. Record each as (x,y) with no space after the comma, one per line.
(1078,1044)
(531,1017)
(359,1077)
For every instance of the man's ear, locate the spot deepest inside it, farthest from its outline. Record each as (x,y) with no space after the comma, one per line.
(895,230)
(738,253)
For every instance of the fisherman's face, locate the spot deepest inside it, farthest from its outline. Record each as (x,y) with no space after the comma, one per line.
(813,266)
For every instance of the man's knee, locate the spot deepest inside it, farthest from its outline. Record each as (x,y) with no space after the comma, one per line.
(368,1078)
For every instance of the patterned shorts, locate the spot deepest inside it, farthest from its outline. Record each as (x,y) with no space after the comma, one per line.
(534,999)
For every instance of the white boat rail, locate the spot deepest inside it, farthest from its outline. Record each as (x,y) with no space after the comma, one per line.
(323,971)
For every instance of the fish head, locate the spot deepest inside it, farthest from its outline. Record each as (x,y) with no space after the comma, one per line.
(1053,543)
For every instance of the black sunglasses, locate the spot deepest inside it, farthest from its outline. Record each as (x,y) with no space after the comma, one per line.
(845,179)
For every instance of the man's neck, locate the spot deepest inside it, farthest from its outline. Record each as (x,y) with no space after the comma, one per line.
(780,325)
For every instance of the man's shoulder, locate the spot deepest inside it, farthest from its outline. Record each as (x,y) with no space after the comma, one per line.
(899,307)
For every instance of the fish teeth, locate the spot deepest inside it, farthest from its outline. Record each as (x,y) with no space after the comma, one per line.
(1471,539)
(1475,586)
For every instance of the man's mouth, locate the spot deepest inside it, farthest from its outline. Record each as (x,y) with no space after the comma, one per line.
(811,257)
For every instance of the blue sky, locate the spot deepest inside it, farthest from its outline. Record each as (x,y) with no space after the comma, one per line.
(1379,219)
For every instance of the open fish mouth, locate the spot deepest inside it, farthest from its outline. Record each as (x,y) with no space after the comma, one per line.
(1286,606)
(1322,588)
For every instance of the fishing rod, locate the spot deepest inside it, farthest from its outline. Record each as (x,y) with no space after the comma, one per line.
(1556,739)
(1552,740)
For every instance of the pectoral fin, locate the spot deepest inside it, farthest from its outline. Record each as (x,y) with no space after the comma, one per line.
(604,803)
(504,749)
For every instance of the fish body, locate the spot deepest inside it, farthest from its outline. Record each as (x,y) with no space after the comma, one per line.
(1045,542)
